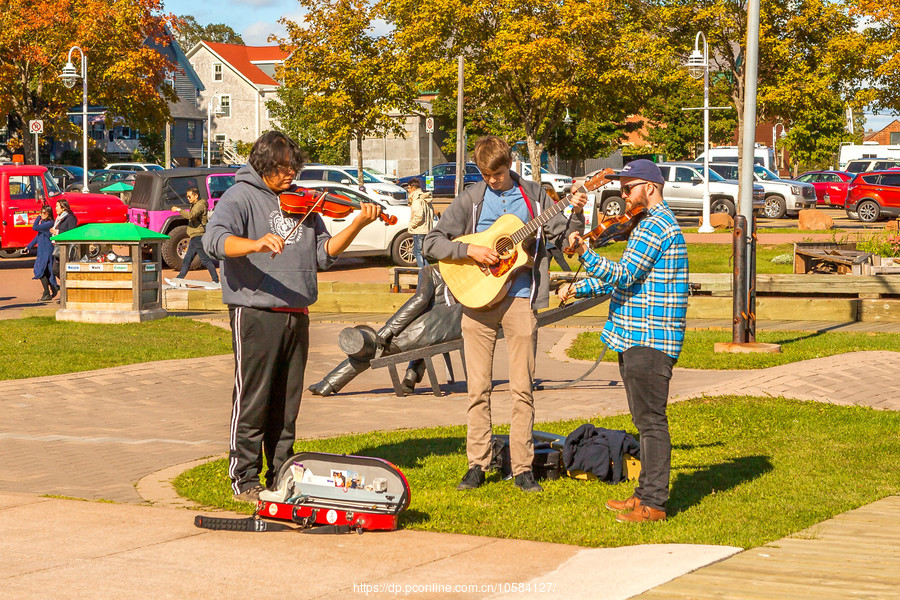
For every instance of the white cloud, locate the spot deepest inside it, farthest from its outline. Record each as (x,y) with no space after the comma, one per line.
(254,3)
(258,33)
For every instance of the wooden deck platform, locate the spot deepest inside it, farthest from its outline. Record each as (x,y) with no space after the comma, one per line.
(853,555)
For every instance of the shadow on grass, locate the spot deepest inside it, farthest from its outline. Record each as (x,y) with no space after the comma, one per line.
(407,454)
(690,489)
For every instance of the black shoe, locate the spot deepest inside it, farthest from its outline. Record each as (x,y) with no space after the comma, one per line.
(251,494)
(53,292)
(473,478)
(45,297)
(525,482)
(323,388)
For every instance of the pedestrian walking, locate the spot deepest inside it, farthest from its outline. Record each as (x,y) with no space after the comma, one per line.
(646,323)
(421,218)
(64,221)
(43,262)
(197,216)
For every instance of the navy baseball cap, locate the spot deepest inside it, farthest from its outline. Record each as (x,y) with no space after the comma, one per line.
(640,169)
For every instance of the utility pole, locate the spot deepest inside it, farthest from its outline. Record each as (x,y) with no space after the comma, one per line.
(460,133)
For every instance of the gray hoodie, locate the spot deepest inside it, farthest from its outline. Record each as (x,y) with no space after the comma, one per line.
(249,209)
(462,215)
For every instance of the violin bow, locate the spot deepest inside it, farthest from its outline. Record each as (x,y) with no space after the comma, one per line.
(300,222)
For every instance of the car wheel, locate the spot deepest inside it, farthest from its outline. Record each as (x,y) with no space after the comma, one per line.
(402,250)
(614,206)
(775,207)
(868,211)
(174,248)
(723,206)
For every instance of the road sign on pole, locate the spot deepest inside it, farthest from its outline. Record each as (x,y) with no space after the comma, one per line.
(36,126)
(429,125)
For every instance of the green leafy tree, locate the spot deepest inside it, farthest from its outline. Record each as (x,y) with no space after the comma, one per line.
(189,33)
(881,64)
(350,81)
(124,74)
(289,116)
(527,61)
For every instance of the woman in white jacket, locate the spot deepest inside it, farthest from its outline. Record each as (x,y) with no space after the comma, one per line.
(421,218)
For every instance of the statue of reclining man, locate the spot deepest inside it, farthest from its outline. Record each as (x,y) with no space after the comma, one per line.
(431,316)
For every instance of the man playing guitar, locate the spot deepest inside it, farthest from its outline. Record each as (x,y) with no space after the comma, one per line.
(475,210)
(649,287)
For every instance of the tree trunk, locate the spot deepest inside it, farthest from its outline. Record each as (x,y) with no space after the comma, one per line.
(534,157)
(359,163)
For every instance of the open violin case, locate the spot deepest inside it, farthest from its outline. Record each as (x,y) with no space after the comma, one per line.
(316,492)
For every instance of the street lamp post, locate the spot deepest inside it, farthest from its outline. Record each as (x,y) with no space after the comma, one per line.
(209,115)
(775,141)
(69,76)
(698,65)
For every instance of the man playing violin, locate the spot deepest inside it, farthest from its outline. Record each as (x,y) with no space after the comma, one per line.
(646,322)
(268,300)
(475,210)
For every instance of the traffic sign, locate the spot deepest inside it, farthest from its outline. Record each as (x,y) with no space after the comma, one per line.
(36,126)
(429,125)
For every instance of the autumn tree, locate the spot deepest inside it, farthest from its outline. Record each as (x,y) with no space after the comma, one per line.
(289,115)
(189,32)
(349,81)
(526,62)
(882,61)
(124,74)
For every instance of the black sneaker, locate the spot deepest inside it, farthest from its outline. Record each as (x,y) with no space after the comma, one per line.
(251,494)
(53,292)
(473,478)
(45,297)
(525,482)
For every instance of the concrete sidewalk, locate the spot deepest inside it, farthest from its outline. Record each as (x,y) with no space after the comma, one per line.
(121,434)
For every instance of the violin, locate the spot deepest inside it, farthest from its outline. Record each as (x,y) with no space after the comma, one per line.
(612,229)
(302,202)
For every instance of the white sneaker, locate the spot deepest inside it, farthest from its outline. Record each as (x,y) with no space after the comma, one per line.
(215,285)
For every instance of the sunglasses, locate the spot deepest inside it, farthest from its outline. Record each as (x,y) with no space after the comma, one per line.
(626,189)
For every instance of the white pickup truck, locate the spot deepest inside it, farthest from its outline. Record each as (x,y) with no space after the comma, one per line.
(561,184)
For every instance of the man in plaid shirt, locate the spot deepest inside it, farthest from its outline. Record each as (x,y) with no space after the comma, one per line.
(649,288)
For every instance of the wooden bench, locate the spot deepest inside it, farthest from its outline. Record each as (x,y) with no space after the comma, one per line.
(427,353)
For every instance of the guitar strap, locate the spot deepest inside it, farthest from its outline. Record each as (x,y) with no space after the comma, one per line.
(527,201)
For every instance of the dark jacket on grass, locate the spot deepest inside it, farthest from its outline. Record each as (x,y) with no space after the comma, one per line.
(599,451)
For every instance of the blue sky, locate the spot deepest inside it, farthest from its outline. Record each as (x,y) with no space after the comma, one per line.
(255,20)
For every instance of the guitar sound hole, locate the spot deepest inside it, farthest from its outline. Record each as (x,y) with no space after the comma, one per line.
(504,247)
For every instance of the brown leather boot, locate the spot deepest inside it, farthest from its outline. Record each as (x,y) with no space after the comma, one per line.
(620,505)
(642,514)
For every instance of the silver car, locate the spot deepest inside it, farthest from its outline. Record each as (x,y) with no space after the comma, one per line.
(782,196)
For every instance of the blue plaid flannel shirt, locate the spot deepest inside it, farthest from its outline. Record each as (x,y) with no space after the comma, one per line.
(649,286)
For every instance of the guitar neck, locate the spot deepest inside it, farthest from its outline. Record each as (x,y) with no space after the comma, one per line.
(539,221)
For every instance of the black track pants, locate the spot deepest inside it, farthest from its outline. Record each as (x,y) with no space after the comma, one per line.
(270,352)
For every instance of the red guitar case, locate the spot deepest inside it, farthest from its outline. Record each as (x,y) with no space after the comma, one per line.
(336,493)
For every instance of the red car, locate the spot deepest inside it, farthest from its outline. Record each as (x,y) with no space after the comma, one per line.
(874,195)
(24,189)
(831,186)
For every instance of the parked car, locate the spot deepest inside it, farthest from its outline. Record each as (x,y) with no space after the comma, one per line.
(873,195)
(157,192)
(862,165)
(25,189)
(782,196)
(559,183)
(133,167)
(763,156)
(388,192)
(102,178)
(379,175)
(831,186)
(377,239)
(683,192)
(441,179)
(65,174)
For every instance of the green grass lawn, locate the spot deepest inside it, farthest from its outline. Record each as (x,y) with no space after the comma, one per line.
(745,471)
(713,258)
(38,346)
(698,352)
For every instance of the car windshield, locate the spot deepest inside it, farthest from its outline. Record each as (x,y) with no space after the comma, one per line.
(713,176)
(50,184)
(154,168)
(765,174)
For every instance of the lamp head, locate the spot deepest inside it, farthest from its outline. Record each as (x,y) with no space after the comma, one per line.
(696,64)
(567,119)
(69,75)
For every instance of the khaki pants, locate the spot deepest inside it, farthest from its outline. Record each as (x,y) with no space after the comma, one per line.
(479,331)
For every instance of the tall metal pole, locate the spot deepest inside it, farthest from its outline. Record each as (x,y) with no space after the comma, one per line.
(706,227)
(460,132)
(84,121)
(746,176)
(209,133)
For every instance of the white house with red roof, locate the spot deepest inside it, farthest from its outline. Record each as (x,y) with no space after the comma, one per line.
(239,80)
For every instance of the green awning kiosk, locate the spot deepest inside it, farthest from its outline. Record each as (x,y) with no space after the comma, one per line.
(110,273)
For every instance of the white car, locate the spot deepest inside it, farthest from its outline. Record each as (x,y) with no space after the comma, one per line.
(387,192)
(133,167)
(378,238)
(382,176)
(561,184)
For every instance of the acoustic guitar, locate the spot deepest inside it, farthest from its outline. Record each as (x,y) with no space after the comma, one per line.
(477,285)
